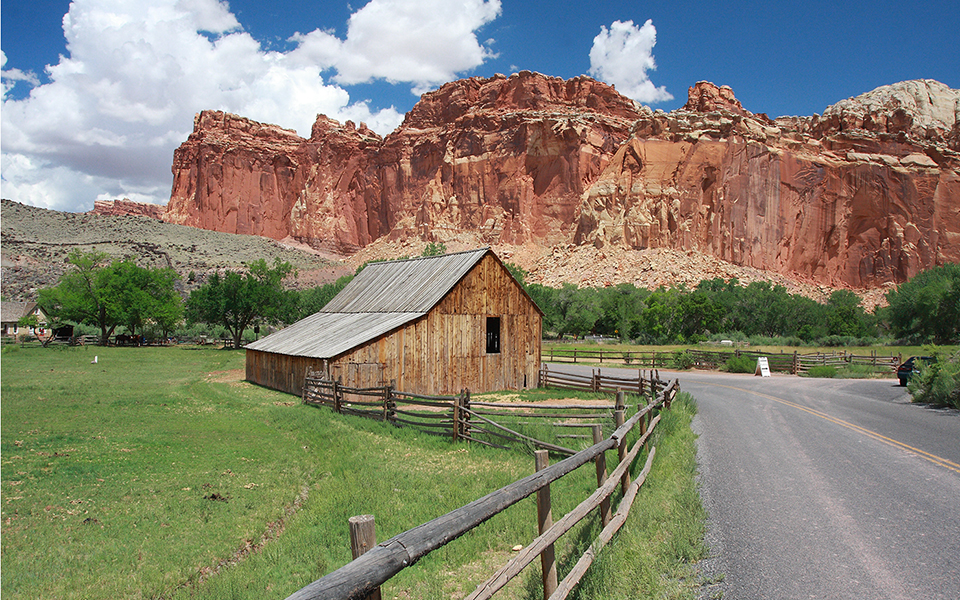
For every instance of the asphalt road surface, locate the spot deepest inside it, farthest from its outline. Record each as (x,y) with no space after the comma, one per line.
(825,488)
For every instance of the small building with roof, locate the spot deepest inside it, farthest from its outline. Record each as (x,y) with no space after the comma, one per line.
(432,325)
(12,312)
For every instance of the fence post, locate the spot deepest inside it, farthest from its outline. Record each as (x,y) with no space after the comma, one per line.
(456,417)
(387,393)
(466,417)
(605,514)
(336,396)
(548,561)
(618,419)
(363,537)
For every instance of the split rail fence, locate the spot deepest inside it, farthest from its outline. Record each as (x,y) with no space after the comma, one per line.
(374,564)
(489,423)
(794,363)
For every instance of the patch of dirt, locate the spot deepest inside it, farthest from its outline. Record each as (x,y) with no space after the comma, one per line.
(229,376)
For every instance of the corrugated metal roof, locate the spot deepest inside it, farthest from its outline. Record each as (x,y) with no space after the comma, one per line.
(326,335)
(382,297)
(414,285)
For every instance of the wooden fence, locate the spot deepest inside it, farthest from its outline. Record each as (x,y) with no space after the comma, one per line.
(362,577)
(842,359)
(461,418)
(793,363)
(642,385)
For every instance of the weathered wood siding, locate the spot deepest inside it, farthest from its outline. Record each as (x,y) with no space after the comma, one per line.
(442,352)
(279,371)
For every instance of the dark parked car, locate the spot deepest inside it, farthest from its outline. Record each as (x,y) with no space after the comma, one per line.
(905,370)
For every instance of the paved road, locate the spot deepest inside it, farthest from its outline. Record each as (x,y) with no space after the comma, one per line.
(820,488)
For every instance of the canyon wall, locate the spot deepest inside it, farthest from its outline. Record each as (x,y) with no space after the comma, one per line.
(866,194)
(820,199)
(506,157)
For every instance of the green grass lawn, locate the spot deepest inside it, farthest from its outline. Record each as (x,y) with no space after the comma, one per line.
(158,473)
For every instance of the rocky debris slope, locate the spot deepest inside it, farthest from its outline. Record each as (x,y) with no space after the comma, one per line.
(866,195)
(36,243)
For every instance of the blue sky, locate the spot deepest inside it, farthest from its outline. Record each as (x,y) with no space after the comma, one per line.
(95,103)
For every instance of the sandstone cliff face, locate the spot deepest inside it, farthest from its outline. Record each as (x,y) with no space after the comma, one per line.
(844,207)
(508,157)
(868,193)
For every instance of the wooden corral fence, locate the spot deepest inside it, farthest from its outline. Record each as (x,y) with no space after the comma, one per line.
(793,363)
(461,418)
(842,359)
(642,385)
(363,577)
(647,360)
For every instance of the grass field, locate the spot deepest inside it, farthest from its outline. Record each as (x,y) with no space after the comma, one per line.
(158,473)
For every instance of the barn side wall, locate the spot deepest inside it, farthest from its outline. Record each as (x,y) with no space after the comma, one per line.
(279,371)
(445,351)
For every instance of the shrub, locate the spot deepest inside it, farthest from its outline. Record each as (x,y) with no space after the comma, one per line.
(822,371)
(937,382)
(740,364)
(682,360)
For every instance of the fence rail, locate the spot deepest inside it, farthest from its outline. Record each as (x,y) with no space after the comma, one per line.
(458,417)
(794,363)
(370,570)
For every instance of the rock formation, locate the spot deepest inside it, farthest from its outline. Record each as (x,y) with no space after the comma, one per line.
(508,157)
(820,199)
(127,208)
(866,194)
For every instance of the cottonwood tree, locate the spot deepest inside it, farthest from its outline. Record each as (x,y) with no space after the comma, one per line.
(107,294)
(927,307)
(238,300)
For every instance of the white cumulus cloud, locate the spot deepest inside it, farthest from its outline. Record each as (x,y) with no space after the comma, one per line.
(124,94)
(623,55)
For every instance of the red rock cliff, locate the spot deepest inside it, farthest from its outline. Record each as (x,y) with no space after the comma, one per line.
(866,194)
(128,208)
(820,200)
(509,157)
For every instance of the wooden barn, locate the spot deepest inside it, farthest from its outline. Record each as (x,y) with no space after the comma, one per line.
(432,325)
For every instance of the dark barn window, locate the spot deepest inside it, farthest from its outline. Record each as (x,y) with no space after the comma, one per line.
(493,335)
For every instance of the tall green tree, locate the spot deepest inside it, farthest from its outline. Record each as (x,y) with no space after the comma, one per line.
(927,307)
(107,294)
(578,310)
(239,300)
(845,315)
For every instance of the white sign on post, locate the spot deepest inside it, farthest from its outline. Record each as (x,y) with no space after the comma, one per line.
(763,367)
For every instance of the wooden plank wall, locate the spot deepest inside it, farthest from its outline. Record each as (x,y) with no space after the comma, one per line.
(279,371)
